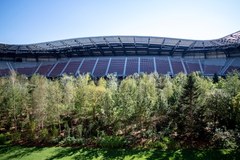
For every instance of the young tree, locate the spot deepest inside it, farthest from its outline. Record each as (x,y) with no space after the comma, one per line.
(188,109)
(231,84)
(69,94)
(110,100)
(236,106)
(16,99)
(127,101)
(55,107)
(39,101)
(217,107)
(147,98)
(82,83)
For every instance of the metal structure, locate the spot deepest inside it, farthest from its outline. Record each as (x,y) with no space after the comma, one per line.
(228,46)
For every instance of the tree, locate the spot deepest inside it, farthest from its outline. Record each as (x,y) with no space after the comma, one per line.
(231,84)
(110,100)
(16,99)
(127,101)
(217,107)
(188,109)
(55,106)
(146,99)
(236,108)
(39,100)
(69,94)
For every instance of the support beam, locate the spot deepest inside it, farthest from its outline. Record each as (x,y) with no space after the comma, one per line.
(184,67)
(38,68)
(122,46)
(125,66)
(93,70)
(52,46)
(148,45)
(174,48)
(135,47)
(52,69)
(84,48)
(170,66)
(110,47)
(29,49)
(154,63)
(200,65)
(65,44)
(160,49)
(10,66)
(139,66)
(187,49)
(109,62)
(65,67)
(79,67)
(97,47)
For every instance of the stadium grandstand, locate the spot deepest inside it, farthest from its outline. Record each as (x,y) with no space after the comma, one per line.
(123,56)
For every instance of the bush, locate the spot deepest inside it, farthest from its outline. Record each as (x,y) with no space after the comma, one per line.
(3,138)
(112,142)
(164,143)
(71,141)
(224,139)
(157,144)
(44,134)
(15,137)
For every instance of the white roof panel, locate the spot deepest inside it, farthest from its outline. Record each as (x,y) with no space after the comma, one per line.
(154,40)
(127,39)
(141,40)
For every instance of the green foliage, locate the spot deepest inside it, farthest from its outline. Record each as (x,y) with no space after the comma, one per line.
(44,134)
(164,143)
(15,137)
(217,108)
(3,139)
(224,139)
(111,142)
(71,141)
(189,109)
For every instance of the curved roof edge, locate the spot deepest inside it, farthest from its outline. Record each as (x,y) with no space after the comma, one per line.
(112,43)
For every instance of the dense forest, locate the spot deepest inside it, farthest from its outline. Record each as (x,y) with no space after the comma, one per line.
(187,111)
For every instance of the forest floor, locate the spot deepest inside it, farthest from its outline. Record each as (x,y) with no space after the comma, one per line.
(73,153)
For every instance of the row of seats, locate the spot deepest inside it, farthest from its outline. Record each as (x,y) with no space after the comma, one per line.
(121,66)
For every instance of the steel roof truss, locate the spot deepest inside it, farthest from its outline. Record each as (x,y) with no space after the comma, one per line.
(97,47)
(175,47)
(110,47)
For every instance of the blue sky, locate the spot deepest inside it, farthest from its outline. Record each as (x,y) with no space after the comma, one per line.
(31,21)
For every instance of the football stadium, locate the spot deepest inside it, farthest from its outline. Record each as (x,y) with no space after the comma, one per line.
(122,56)
(119,80)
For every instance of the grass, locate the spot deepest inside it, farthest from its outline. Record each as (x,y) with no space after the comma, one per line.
(70,153)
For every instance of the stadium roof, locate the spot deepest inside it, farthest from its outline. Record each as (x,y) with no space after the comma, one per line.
(124,45)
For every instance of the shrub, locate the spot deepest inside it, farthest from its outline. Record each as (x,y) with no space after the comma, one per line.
(112,142)
(15,137)
(157,144)
(224,139)
(54,132)
(164,143)
(3,138)
(44,134)
(71,141)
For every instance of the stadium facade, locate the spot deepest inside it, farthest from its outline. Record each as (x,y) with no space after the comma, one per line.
(123,56)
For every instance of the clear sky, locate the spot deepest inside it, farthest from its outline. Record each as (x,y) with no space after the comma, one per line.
(31,21)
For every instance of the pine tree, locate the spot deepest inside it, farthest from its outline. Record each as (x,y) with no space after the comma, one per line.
(188,108)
